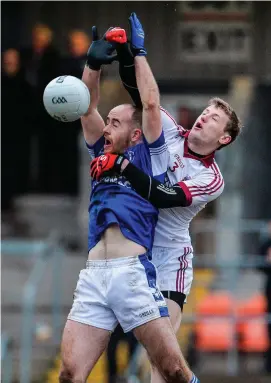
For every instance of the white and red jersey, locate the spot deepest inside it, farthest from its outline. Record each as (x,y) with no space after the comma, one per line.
(200,179)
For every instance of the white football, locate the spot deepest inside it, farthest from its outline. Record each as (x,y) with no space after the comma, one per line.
(66,98)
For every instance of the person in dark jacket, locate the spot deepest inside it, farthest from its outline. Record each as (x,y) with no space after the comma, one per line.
(18,115)
(41,63)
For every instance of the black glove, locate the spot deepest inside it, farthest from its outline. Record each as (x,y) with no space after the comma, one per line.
(100,51)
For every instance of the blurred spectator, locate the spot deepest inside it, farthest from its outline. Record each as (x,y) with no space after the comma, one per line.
(265,251)
(17,123)
(73,64)
(41,60)
(78,44)
(41,64)
(118,336)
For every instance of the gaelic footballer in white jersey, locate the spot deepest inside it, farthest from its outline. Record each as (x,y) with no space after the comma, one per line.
(202,182)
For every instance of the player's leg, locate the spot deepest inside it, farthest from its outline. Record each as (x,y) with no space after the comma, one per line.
(175,315)
(159,339)
(89,325)
(175,275)
(82,345)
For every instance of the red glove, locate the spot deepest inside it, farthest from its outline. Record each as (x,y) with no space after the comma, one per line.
(104,163)
(116,35)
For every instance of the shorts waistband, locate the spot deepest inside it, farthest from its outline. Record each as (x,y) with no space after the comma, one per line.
(177,247)
(116,262)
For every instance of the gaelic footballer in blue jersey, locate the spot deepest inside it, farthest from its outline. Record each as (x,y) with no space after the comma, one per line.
(113,200)
(119,283)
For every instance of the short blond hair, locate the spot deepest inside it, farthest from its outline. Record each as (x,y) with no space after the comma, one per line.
(234,125)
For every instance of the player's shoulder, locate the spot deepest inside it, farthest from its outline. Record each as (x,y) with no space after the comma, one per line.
(170,125)
(167,117)
(96,149)
(215,169)
(213,178)
(210,171)
(169,120)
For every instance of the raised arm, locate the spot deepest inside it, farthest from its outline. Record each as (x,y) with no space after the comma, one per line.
(149,94)
(100,52)
(147,86)
(92,122)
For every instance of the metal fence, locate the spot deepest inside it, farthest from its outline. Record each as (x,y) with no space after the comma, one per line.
(44,251)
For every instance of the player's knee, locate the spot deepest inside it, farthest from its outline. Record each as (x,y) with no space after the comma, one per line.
(67,375)
(175,375)
(174,372)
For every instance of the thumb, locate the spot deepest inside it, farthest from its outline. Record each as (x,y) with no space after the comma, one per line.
(95,35)
(131,22)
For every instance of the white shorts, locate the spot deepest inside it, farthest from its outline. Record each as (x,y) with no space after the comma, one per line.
(174,266)
(122,290)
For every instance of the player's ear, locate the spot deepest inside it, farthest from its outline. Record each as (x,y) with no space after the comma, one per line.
(224,140)
(136,135)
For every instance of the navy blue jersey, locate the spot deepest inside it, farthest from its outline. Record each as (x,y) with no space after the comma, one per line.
(114,201)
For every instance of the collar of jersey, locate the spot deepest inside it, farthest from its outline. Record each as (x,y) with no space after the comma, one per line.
(206,161)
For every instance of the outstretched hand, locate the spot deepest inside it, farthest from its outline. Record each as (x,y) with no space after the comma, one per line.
(100,51)
(137,36)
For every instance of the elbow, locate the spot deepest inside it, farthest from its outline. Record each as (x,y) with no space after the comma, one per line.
(152,101)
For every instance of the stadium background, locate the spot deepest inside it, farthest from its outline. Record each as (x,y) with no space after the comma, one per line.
(197,50)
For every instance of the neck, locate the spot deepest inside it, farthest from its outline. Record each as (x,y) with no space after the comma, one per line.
(198,148)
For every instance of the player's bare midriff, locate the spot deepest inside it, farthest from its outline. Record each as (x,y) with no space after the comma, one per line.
(113,244)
